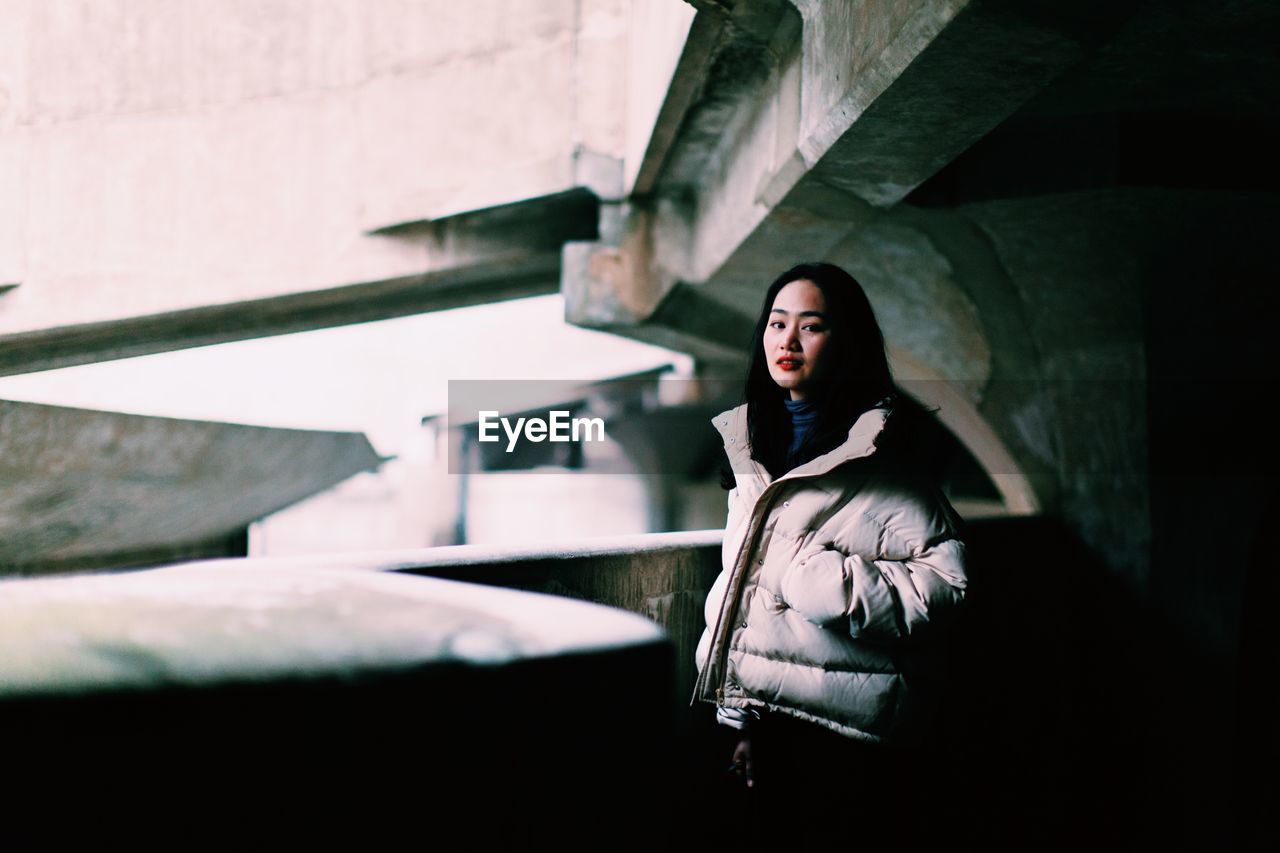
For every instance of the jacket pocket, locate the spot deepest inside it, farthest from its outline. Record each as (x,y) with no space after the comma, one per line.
(816,585)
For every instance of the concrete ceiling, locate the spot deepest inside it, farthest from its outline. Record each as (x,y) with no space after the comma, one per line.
(1002,177)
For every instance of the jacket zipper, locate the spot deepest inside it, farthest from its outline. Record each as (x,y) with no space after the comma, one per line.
(731,594)
(715,633)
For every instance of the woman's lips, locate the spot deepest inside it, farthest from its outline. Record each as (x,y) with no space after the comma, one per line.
(789,363)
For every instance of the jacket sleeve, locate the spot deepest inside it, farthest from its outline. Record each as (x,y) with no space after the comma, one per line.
(737,718)
(919,573)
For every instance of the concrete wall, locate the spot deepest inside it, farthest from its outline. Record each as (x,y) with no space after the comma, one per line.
(156,156)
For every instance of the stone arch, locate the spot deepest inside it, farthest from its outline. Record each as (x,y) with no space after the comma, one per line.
(959,414)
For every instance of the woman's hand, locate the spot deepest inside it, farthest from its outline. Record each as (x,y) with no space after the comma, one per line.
(741,766)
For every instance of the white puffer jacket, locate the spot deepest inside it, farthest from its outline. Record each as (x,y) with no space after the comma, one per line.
(825,571)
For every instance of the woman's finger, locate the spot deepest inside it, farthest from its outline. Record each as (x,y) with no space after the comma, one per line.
(741,765)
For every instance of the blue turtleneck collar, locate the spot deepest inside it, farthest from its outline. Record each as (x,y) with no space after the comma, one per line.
(802,407)
(804,414)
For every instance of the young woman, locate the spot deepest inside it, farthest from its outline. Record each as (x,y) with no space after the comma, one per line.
(840,560)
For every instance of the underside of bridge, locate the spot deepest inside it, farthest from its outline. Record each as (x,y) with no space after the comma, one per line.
(1023,189)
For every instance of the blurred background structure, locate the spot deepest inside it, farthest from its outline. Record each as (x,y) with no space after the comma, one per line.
(235,237)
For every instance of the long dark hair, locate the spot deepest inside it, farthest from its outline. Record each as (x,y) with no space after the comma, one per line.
(857,379)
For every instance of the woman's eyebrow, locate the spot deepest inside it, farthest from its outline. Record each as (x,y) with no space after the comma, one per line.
(802,313)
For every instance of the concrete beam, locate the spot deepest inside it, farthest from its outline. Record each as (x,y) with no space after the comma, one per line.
(85,343)
(87,489)
(810,117)
(690,76)
(686,320)
(943,84)
(641,253)
(507,252)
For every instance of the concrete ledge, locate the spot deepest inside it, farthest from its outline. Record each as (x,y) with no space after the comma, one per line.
(663,577)
(476,557)
(231,699)
(204,624)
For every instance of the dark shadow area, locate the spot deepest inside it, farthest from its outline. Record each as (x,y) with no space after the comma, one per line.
(1041,732)
(459,756)
(1209,309)
(1041,740)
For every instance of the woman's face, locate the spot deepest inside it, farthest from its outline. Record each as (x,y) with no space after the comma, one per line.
(796,337)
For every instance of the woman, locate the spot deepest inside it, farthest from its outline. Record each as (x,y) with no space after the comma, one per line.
(840,557)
